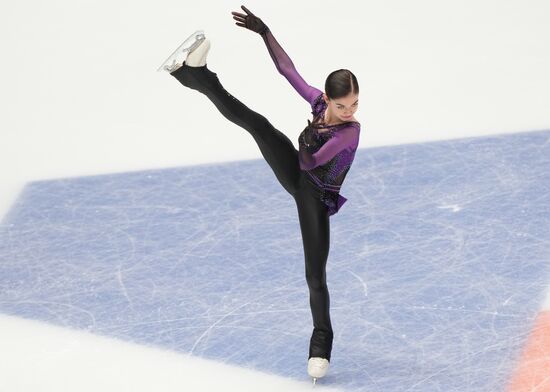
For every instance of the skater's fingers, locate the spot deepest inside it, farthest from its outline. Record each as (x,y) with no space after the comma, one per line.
(238,14)
(240,24)
(239,18)
(246,10)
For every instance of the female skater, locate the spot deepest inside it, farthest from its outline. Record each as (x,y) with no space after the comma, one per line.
(312,176)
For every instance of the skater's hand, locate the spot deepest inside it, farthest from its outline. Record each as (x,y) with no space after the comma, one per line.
(250,21)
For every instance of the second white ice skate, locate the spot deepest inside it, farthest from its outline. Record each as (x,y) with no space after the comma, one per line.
(176,59)
(317,367)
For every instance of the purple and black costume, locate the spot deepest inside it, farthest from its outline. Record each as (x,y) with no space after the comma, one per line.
(312,175)
(325,156)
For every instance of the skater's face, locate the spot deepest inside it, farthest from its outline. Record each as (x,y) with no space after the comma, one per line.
(343,109)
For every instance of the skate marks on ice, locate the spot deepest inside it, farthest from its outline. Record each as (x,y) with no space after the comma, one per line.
(437,269)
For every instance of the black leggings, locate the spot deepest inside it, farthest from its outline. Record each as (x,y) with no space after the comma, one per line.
(282,157)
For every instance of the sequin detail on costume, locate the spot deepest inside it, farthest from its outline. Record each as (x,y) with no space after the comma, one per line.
(327,178)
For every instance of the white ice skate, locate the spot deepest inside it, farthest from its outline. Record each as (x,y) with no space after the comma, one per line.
(197,56)
(176,59)
(317,367)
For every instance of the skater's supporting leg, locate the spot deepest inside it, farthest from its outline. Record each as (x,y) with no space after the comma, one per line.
(276,147)
(314,225)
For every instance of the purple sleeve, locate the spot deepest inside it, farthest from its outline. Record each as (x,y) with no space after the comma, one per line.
(286,67)
(343,138)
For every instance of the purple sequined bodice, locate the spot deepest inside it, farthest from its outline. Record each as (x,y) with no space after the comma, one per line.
(325,156)
(328,177)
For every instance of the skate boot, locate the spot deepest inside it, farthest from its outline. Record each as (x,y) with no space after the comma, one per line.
(320,347)
(194,73)
(177,58)
(197,57)
(317,367)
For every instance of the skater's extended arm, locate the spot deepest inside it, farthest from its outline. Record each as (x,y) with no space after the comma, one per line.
(283,63)
(286,67)
(342,139)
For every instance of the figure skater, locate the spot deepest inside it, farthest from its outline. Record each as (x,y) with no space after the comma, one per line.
(312,176)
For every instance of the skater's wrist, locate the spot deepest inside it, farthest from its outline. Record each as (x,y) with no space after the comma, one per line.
(264,30)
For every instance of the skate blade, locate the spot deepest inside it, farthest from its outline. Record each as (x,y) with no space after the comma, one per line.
(314,381)
(190,44)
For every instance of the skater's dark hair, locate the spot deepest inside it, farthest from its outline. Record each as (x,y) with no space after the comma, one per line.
(340,83)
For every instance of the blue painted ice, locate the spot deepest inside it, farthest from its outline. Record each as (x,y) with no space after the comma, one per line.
(438,262)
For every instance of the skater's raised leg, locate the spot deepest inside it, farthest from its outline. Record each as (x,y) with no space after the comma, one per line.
(276,147)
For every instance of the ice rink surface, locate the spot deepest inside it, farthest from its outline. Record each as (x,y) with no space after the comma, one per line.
(438,264)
